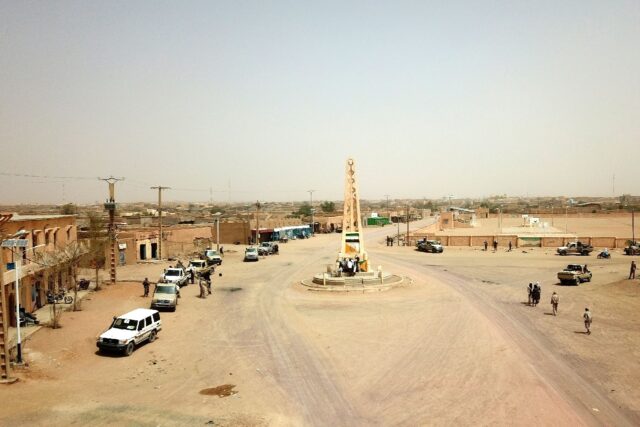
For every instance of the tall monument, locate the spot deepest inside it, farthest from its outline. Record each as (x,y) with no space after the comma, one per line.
(352,238)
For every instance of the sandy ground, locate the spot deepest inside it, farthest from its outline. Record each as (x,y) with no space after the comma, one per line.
(456,347)
(614,226)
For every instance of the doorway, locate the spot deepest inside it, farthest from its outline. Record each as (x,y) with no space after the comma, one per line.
(143,251)
(154,251)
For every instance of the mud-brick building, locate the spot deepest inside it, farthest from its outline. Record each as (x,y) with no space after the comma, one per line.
(43,233)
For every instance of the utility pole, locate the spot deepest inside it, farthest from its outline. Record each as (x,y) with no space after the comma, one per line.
(313,224)
(160,188)
(388,211)
(258,223)
(110,206)
(406,240)
(5,362)
(633,225)
(398,222)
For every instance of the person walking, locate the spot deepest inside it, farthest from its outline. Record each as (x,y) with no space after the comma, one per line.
(509,245)
(145,285)
(486,245)
(555,299)
(192,275)
(495,246)
(632,271)
(530,290)
(203,289)
(587,320)
(207,280)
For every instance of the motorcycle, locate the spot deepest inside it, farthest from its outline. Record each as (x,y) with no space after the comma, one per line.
(604,255)
(83,284)
(59,298)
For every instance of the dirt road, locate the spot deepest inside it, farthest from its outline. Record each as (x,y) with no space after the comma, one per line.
(447,349)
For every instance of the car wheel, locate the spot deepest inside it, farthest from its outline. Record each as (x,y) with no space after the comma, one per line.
(68,299)
(577,282)
(152,335)
(563,253)
(129,349)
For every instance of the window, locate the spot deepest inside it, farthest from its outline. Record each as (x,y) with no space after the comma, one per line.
(156,317)
(149,321)
(55,238)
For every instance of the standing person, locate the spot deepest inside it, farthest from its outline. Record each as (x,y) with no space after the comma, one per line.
(486,245)
(203,289)
(495,245)
(222,251)
(145,285)
(632,271)
(535,295)
(509,245)
(192,275)
(587,320)
(555,299)
(530,290)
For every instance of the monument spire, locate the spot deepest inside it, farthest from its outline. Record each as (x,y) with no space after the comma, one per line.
(352,238)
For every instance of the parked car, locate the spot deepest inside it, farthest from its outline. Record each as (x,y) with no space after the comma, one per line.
(576,248)
(251,254)
(212,257)
(632,249)
(175,275)
(267,247)
(165,295)
(130,329)
(433,246)
(574,274)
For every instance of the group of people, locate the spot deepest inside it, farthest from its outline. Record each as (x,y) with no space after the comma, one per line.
(349,266)
(495,245)
(535,291)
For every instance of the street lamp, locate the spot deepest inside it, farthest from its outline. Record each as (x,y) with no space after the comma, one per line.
(313,224)
(12,243)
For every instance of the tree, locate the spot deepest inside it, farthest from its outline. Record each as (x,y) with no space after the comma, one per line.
(69,209)
(96,257)
(67,258)
(304,210)
(328,207)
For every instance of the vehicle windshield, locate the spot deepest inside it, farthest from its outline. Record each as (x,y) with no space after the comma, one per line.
(250,250)
(127,324)
(574,268)
(197,263)
(173,273)
(165,289)
(211,253)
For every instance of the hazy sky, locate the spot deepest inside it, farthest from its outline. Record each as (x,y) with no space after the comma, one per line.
(271,97)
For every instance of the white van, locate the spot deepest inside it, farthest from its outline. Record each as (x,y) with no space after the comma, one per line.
(129,330)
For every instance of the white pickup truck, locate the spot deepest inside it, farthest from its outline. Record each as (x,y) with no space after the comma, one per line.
(174,275)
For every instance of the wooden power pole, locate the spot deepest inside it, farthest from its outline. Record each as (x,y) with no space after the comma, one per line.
(160,188)
(110,206)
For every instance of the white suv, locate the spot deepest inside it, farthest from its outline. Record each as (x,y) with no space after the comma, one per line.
(131,329)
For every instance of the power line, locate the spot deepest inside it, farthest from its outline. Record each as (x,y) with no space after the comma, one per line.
(25,175)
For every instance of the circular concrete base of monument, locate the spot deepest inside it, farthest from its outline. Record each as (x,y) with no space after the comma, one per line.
(361,282)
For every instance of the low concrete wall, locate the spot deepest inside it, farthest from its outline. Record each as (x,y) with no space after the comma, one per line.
(521,241)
